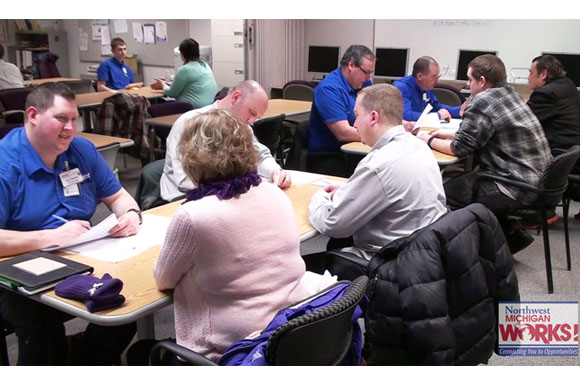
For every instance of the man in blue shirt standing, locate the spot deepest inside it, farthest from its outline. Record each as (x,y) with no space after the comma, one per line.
(332,114)
(46,174)
(114,74)
(417,91)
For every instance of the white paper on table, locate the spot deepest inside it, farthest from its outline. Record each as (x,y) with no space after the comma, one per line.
(120,26)
(326,182)
(302,178)
(426,111)
(138,32)
(453,124)
(149,33)
(97,232)
(151,233)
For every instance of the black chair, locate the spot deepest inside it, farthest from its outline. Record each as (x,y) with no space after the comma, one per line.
(320,338)
(300,90)
(148,194)
(322,162)
(5,330)
(163,109)
(221,94)
(549,192)
(267,130)
(448,94)
(82,86)
(13,104)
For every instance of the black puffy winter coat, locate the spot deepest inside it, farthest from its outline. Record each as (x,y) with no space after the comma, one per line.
(433,295)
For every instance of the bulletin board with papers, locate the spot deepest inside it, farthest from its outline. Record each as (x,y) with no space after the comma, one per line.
(151,40)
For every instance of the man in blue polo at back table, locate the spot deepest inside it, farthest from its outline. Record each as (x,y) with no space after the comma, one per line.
(332,114)
(114,74)
(417,91)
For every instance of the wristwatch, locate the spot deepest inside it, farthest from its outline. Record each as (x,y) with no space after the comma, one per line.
(138,213)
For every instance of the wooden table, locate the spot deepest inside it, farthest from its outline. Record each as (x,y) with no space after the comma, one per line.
(93,99)
(361,149)
(104,140)
(275,107)
(141,293)
(36,82)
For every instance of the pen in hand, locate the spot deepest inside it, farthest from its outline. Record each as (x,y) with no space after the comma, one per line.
(60,218)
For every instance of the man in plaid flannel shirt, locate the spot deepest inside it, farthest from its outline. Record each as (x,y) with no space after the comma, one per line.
(507,139)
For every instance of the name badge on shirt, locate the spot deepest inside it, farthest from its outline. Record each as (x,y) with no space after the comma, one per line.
(71,190)
(71,177)
(125,72)
(425,99)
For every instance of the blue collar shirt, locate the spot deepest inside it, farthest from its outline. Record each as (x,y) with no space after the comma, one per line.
(117,74)
(416,99)
(30,192)
(334,101)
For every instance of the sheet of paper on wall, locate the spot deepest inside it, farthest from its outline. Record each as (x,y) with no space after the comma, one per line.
(120,26)
(149,33)
(106,50)
(96,31)
(114,250)
(96,232)
(138,32)
(83,41)
(105,36)
(161,31)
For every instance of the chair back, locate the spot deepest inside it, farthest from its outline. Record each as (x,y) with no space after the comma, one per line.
(14,100)
(221,94)
(169,108)
(46,65)
(267,130)
(300,90)
(82,86)
(297,155)
(554,180)
(448,94)
(109,154)
(320,338)
(148,193)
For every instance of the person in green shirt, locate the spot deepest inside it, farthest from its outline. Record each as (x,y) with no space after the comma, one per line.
(194,82)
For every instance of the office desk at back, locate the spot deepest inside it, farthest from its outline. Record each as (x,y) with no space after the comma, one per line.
(141,293)
(275,107)
(105,140)
(360,148)
(36,82)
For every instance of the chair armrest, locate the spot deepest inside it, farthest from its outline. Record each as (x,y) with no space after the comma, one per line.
(504,180)
(5,113)
(184,353)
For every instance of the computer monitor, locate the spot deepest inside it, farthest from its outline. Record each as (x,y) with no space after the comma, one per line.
(466,56)
(322,59)
(391,62)
(571,64)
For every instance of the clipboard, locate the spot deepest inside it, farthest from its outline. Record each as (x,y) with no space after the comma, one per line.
(37,271)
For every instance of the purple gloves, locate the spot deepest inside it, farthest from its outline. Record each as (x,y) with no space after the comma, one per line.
(98,294)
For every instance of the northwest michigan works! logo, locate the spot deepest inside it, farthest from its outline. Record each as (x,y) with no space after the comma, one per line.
(538,328)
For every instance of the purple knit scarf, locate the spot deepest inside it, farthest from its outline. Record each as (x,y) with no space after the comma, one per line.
(225,189)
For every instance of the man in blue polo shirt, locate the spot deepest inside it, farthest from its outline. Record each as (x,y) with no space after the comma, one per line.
(417,91)
(46,174)
(332,114)
(114,74)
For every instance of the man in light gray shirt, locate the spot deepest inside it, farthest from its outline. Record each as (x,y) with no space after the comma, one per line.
(10,76)
(395,190)
(248,101)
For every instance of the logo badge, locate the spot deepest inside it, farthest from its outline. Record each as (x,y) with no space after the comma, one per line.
(538,328)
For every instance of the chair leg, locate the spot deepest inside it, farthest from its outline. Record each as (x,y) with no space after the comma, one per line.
(566,207)
(547,247)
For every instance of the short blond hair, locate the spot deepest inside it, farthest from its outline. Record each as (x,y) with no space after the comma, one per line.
(386,100)
(216,145)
